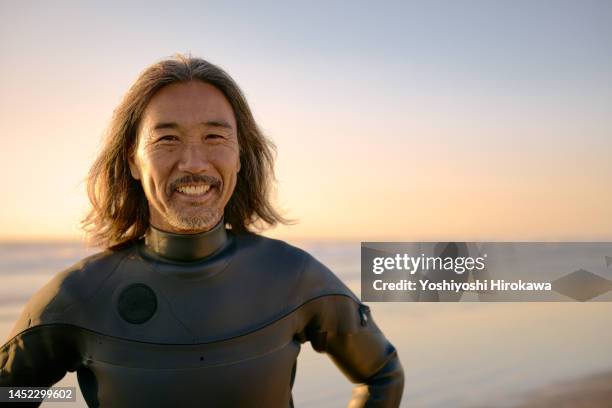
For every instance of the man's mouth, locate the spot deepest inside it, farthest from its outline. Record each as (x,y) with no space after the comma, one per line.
(193,189)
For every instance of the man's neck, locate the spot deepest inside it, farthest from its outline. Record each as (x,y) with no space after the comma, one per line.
(186,247)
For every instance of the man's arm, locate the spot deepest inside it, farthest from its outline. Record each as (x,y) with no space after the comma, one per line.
(346,331)
(37,357)
(40,348)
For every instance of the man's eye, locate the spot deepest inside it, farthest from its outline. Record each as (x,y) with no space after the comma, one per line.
(214,136)
(167,138)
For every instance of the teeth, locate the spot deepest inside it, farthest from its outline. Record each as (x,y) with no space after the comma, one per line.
(194,190)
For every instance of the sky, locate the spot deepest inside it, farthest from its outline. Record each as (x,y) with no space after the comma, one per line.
(407,121)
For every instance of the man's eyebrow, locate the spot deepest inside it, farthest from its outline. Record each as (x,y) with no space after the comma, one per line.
(211,123)
(218,123)
(166,125)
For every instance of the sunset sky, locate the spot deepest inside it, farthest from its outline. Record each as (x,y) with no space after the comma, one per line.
(472,120)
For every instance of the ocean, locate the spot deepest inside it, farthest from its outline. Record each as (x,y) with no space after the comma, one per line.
(454,354)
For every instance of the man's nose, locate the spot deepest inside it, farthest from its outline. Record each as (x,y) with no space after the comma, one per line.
(194,159)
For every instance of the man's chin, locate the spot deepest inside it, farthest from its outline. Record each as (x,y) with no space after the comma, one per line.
(191,224)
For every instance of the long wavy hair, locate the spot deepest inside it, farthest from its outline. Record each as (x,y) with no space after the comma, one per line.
(119,211)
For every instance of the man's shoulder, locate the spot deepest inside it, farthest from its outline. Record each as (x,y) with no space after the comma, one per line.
(71,286)
(311,277)
(87,274)
(259,246)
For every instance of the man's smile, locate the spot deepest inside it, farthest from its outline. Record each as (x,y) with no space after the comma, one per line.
(194,191)
(199,189)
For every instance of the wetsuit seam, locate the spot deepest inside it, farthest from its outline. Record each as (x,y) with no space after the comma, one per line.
(89,299)
(387,360)
(30,330)
(284,316)
(60,312)
(189,344)
(173,314)
(55,297)
(251,357)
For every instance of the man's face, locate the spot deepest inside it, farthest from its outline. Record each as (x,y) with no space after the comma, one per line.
(187,156)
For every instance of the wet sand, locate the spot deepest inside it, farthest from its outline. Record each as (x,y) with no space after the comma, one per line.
(594,391)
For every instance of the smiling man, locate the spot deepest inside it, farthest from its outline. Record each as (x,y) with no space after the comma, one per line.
(187,157)
(188,306)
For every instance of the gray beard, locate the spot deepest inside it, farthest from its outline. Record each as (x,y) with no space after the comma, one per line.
(204,221)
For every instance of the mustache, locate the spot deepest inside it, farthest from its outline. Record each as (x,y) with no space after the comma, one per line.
(194,179)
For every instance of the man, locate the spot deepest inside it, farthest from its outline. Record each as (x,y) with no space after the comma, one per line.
(188,306)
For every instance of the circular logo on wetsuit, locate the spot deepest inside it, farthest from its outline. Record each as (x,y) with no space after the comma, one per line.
(137,303)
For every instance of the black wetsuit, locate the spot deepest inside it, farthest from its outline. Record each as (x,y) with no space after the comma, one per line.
(205,320)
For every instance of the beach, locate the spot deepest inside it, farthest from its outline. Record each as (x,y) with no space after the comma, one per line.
(594,391)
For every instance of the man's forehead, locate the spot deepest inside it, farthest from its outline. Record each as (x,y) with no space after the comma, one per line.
(189,104)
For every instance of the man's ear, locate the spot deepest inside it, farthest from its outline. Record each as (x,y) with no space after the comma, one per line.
(134,170)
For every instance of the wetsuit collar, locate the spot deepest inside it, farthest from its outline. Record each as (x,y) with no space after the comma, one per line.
(186,247)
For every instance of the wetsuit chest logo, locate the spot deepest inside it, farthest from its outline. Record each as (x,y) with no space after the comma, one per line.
(137,303)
